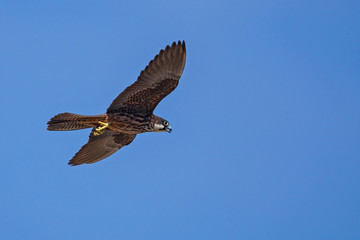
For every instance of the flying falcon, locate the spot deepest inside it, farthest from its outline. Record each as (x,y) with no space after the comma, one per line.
(131,112)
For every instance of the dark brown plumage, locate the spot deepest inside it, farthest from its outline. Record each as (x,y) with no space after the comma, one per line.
(131,112)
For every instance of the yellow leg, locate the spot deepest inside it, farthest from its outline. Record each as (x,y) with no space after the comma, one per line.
(100,130)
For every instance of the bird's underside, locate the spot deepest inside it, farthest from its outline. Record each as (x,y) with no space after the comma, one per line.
(131,112)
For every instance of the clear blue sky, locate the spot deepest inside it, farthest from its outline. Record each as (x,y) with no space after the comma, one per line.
(266,120)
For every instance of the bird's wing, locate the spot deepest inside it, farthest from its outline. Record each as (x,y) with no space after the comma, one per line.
(100,147)
(155,82)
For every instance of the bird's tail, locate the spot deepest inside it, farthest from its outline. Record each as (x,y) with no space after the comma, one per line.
(71,121)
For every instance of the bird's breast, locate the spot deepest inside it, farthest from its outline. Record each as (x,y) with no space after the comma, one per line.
(129,123)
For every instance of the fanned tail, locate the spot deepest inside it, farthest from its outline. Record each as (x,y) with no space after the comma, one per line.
(71,121)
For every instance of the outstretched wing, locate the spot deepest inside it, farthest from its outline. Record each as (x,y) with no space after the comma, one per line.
(100,147)
(155,82)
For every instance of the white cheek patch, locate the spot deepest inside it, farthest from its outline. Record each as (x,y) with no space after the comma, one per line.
(158,126)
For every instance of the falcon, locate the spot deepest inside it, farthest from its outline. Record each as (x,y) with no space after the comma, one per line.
(131,112)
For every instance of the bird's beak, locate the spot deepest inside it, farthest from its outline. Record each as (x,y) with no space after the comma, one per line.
(168,129)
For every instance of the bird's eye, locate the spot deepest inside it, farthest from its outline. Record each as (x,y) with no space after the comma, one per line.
(166,124)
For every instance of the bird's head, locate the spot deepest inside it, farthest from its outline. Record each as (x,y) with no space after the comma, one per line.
(160,124)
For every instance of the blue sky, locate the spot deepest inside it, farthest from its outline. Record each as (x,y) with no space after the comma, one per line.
(266,134)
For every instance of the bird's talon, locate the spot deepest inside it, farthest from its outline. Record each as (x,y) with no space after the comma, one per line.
(100,130)
(103,124)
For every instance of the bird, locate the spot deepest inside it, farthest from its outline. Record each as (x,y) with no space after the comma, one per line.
(131,112)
